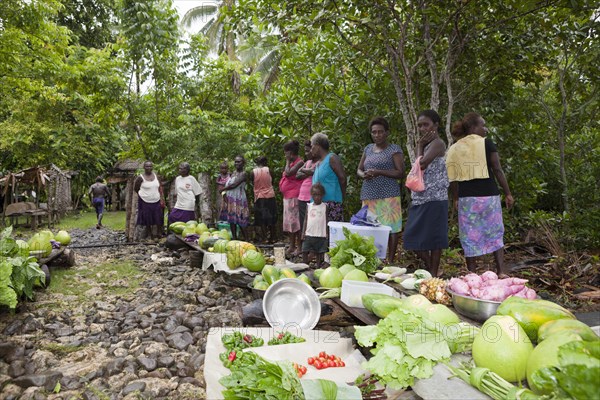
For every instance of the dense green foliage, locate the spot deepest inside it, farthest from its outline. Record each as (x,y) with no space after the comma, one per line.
(86,82)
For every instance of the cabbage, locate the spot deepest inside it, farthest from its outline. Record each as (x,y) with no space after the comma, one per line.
(331,277)
(356,275)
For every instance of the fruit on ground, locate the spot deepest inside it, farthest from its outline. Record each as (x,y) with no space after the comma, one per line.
(503,346)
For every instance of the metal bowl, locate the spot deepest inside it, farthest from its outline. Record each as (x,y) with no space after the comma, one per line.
(291,303)
(476,309)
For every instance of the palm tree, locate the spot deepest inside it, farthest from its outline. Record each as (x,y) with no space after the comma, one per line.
(258,53)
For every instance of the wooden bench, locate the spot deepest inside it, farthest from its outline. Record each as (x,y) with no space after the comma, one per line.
(28,210)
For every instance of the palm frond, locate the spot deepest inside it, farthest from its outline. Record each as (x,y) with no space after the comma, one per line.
(199,13)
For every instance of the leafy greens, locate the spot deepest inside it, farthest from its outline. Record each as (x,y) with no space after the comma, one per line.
(18,275)
(578,372)
(357,250)
(409,346)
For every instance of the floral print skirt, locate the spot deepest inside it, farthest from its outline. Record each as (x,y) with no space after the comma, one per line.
(291,215)
(480,225)
(388,211)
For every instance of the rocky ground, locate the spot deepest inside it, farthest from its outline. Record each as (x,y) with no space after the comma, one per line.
(142,336)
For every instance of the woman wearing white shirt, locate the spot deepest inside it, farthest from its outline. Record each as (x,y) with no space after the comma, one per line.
(150,218)
(186,190)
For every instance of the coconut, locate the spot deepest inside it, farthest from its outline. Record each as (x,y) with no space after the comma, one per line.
(63,238)
(503,346)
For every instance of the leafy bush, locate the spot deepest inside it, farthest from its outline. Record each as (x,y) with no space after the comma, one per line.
(18,275)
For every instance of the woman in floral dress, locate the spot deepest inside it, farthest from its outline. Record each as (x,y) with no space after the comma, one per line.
(381,166)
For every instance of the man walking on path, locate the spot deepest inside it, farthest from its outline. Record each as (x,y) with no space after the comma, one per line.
(98,191)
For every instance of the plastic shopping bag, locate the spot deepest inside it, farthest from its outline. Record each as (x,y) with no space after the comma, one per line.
(414,180)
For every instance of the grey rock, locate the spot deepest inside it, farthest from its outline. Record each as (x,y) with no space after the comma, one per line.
(190,380)
(10,351)
(13,328)
(149,364)
(161,373)
(30,325)
(115,366)
(46,379)
(181,340)
(165,361)
(70,383)
(11,391)
(138,386)
(181,329)
(16,368)
(89,395)
(193,322)
(197,362)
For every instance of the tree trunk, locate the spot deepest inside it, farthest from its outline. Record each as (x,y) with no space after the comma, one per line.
(205,198)
(131,209)
(561,137)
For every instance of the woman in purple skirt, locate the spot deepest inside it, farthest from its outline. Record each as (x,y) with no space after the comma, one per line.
(186,191)
(151,204)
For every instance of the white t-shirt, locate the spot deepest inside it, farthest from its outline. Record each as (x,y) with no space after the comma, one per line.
(316,220)
(187,189)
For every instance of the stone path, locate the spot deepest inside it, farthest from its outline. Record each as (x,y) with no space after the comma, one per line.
(115,340)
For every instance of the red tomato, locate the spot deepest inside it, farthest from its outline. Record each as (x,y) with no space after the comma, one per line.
(331,357)
(330,363)
(343,364)
(318,364)
(310,361)
(299,374)
(337,358)
(322,354)
(303,369)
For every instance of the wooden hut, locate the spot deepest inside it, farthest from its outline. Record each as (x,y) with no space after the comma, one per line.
(24,191)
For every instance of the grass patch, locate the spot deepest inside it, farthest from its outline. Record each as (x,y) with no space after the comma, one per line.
(60,349)
(114,220)
(115,278)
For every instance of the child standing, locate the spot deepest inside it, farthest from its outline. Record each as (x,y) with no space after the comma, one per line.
(314,234)
(221,181)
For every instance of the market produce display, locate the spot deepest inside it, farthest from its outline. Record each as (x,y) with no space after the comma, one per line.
(487,286)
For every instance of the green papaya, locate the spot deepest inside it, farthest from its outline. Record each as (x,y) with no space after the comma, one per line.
(270,273)
(551,328)
(369,298)
(383,307)
(532,314)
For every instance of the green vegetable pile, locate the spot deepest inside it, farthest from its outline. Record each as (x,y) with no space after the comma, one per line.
(18,274)
(409,346)
(253,377)
(285,338)
(356,250)
(578,372)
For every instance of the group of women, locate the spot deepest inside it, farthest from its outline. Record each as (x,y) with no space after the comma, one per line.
(470,170)
(295,184)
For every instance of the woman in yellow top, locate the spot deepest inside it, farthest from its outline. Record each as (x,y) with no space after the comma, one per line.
(472,164)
